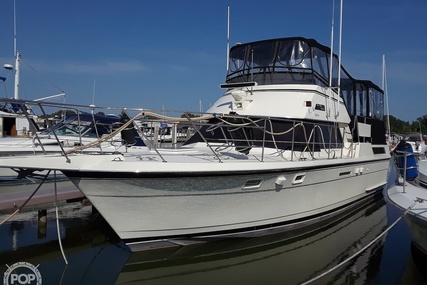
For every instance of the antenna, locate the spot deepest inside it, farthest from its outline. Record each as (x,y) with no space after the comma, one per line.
(93,92)
(329,102)
(92,106)
(16,53)
(339,60)
(252,65)
(50,97)
(228,36)
(332,44)
(14,28)
(200,107)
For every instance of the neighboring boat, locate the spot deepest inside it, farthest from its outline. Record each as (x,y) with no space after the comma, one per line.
(71,131)
(417,142)
(285,147)
(13,122)
(61,135)
(409,193)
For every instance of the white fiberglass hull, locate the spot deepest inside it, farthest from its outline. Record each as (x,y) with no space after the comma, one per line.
(218,204)
(412,198)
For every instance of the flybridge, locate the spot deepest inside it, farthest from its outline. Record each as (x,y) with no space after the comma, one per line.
(298,60)
(282,61)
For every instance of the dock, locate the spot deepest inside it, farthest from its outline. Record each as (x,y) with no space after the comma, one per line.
(12,196)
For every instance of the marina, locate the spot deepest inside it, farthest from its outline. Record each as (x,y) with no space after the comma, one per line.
(288,161)
(292,175)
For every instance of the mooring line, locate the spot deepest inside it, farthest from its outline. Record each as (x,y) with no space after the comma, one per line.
(57,220)
(26,201)
(363,249)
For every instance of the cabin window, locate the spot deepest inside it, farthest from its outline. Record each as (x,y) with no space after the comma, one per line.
(361,101)
(262,55)
(237,59)
(334,70)
(320,63)
(294,53)
(347,91)
(376,103)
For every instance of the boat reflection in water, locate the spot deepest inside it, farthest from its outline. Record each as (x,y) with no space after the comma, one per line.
(273,259)
(96,255)
(415,271)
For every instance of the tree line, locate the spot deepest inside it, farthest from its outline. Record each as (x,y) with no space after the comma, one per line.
(400,127)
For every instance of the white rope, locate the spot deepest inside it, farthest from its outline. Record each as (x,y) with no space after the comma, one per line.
(273,134)
(125,125)
(363,249)
(104,138)
(174,119)
(57,220)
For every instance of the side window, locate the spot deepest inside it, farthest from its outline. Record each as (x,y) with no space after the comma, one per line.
(376,104)
(361,102)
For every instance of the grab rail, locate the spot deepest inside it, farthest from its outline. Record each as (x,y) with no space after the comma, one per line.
(401,165)
(297,138)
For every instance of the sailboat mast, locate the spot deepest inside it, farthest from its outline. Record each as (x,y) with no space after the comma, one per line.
(384,87)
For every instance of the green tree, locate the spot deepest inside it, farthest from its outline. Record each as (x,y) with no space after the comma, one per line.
(421,122)
(188,114)
(59,114)
(399,126)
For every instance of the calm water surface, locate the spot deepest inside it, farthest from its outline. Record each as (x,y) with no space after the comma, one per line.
(96,256)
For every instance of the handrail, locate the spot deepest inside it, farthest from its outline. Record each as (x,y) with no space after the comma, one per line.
(56,137)
(405,168)
(222,131)
(141,134)
(207,143)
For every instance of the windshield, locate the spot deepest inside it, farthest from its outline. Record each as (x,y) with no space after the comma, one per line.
(416,137)
(84,125)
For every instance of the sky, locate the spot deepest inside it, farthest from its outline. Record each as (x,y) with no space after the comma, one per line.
(170,54)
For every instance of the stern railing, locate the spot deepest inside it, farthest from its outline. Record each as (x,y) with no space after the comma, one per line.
(406,165)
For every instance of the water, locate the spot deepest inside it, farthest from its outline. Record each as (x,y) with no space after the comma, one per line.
(96,256)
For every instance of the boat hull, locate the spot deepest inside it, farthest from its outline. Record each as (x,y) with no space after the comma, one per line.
(223,204)
(418,229)
(411,199)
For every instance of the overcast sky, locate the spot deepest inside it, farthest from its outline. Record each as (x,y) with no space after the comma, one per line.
(172,54)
